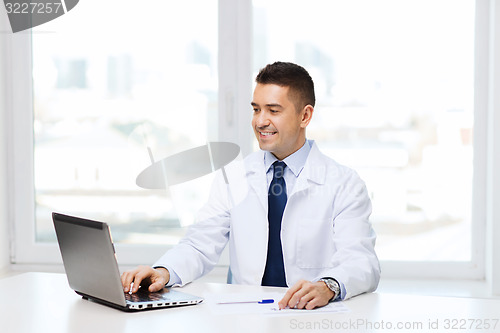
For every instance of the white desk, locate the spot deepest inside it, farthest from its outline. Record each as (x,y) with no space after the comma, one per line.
(43,302)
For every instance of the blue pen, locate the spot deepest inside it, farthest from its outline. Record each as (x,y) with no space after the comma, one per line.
(264,301)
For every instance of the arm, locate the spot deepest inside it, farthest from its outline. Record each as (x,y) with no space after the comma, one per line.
(196,253)
(352,262)
(356,266)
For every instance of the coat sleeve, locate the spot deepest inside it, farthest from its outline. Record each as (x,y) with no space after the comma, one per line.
(355,263)
(199,250)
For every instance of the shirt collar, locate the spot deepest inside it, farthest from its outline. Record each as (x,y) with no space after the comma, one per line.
(294,162)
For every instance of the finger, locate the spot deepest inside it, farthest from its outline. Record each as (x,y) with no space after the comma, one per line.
(123,279)
(319,298)
(295,299)
(284,301)
(160,277)
(158,285)
(139,277)
(314,303)
(289,293)
(127,278)
(306,287)
(304,300)
(318,301)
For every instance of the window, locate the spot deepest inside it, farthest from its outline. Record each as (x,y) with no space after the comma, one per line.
(143,80)
(395,91)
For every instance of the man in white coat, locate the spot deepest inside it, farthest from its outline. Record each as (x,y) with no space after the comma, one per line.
(322,243)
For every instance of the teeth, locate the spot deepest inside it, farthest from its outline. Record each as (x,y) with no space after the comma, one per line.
(267,133)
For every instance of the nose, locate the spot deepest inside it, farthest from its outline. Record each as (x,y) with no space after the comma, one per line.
(261,119)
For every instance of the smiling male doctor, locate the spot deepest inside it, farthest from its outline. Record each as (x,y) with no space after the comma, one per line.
(320,243)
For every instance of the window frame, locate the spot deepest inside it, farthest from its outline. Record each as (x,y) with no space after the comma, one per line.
(235,84)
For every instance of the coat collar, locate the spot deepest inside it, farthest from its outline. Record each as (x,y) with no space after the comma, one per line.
(314,172)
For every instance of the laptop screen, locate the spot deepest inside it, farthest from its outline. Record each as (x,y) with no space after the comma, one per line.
(89,258)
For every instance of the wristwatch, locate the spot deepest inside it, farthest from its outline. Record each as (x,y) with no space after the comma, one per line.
(333,285)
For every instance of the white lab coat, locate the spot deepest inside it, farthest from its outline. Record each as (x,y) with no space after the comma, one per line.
(325,228)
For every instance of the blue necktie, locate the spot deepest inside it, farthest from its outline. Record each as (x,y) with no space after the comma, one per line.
(274,274)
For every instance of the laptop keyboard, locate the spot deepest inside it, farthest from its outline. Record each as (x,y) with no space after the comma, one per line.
(146,297)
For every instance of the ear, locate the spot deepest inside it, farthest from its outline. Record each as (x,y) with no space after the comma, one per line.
(306,113)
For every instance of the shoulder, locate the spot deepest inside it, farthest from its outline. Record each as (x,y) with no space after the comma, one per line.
(256,155)
(254,160)
(333,169)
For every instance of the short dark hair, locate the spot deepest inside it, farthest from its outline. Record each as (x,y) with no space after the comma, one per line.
(287,74)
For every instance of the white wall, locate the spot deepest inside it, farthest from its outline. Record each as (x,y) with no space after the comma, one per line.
(4,232)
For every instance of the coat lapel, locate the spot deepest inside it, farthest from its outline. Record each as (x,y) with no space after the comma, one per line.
(314,171)
(256,175)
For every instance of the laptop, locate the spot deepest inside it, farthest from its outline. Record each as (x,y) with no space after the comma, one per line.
(92,270)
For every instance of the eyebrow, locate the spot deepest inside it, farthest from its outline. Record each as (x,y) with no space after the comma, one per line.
(270,105)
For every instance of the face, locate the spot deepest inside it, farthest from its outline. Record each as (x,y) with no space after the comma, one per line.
(278,126)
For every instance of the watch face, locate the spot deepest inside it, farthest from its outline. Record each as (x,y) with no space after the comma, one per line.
(332,285)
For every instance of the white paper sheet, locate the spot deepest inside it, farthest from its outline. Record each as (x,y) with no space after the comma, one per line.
(213,300)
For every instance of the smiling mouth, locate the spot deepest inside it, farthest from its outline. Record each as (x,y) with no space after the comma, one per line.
(267,133)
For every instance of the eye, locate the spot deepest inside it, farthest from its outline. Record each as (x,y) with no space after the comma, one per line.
(273,111)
